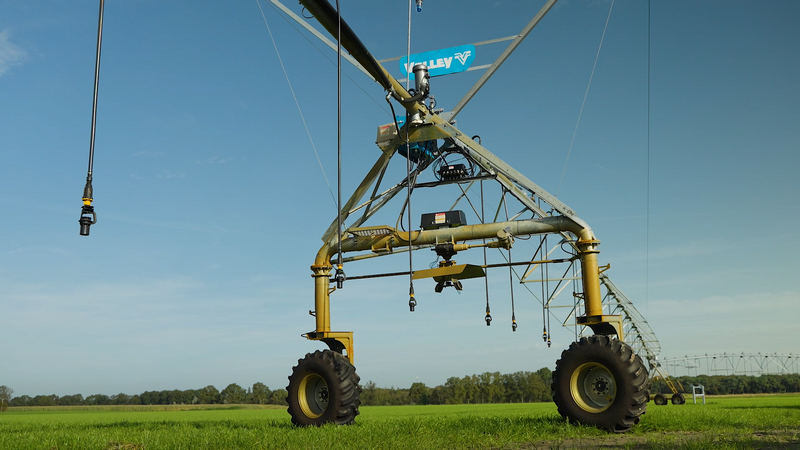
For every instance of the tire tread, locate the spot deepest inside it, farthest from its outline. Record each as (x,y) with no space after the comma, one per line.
(635,391)
(343,378)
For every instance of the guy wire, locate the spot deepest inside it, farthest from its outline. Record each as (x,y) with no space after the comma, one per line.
(299,110)
(647,226)
(586,94)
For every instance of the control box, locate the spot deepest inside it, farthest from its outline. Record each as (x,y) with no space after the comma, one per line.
(447,219)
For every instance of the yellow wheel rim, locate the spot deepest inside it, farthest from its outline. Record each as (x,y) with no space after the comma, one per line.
(313,395)
(593,387)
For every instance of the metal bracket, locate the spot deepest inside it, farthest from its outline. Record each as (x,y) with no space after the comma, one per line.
(338,341)
(605,324)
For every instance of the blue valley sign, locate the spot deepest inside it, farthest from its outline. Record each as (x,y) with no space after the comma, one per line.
(441,62)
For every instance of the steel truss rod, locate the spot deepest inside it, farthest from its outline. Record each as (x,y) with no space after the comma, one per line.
(501,59)
(484,266)
(321,37)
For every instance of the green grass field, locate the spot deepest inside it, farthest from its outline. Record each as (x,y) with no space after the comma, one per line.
(724,422)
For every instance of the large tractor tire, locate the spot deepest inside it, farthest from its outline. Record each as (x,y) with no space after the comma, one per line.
(600,381)
(323,388)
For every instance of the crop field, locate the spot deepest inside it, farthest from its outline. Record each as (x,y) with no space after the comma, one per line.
(724,422)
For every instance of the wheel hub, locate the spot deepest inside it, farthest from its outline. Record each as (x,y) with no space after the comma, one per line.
(600,386)
(314,395)
(593,387)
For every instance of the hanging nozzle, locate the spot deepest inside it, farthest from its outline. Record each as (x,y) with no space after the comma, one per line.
(419,5)
(488,317)
(340,277)
(88,216)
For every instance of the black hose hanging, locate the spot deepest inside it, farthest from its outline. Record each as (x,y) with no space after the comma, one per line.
(339,275)
(545,293)
(488,317)
(510,271)
(412,301)
(88,215)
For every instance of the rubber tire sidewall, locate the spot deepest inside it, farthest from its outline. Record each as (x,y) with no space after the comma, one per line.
(630,377)
(343,390)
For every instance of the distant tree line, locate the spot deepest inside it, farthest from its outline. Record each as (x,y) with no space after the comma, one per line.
(734,384)
(233,394)
(489,387)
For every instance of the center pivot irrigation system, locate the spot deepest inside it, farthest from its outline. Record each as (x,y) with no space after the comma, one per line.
(601,379)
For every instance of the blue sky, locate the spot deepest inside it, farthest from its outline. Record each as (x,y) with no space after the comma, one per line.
(211,201)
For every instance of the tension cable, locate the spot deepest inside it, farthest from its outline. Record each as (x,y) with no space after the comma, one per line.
(299,110)
(584,97)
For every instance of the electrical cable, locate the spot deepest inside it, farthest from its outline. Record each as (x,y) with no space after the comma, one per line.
(584,98)
(412,182)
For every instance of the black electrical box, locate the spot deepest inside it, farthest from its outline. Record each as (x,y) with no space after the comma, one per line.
(453,172)
(447,219)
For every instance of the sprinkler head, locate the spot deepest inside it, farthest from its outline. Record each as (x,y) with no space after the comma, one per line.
(88,218)
(340,277)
